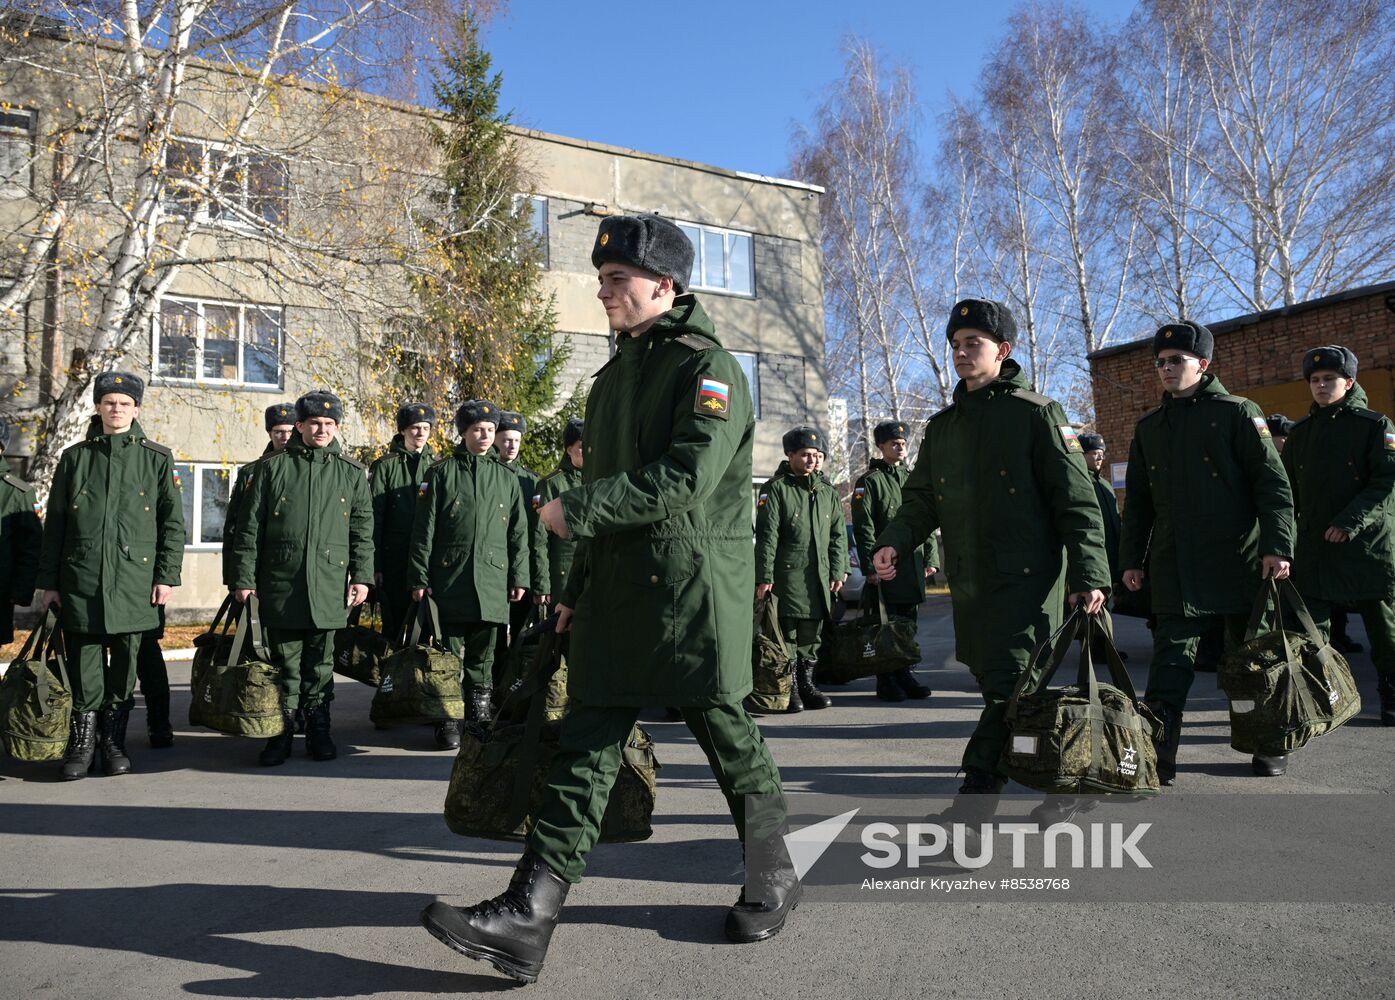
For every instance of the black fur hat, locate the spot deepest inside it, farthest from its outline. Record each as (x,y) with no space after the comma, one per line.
(647,242)
(1332,358)
(414,413)
(890,430)
(801,437)
(278,414)
(123,382)
(511,421)
(572,433)
(1184,336)
(474,412)
(1091,442)
(319,403)
(993,318)
(1279,425)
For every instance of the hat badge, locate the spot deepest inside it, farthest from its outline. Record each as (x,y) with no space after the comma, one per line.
(420,412)
(117,380)
(486,409)
(963,310)
(605,238)
(326,405)
(813,437)
(1167,335)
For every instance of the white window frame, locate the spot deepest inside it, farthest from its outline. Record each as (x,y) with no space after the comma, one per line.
(229,219)
(26,135)
(200,304)
(546,233)
(196,471)
(699,249)
(753,379)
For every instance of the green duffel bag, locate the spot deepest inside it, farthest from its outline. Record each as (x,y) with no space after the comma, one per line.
(1086,737)
(360,648)
(497,781)
(420,683)
(233,686)
(873,644)
(1285,688)
(36,698)
(772,666)
(522,658)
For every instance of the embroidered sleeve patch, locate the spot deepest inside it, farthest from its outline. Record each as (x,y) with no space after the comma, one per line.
(713,398)
(762,500)
(537,501)
(1390,441)
(1261,426)
(859,493)
(422,489)
(39,508)
(1068,436)
(177,483)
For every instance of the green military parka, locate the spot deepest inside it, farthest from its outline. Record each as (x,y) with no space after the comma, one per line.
(801,544)
(21,539)
(1109,513)
(394,481)
(236,499)
(876,497)
(528,486)
(553,555)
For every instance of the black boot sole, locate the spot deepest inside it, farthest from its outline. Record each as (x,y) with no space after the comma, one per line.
(770,932)
(524,972)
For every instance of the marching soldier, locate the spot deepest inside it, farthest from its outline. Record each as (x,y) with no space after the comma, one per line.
(876,497)
(507,441)
(554,553)
(21,538)
(469,551)
(1207,498)
(1340,459)
(112,553)
(1093,446)
(658,601)
(279,420)
(394,480)
(801,554)
(1000,473)
(304,547)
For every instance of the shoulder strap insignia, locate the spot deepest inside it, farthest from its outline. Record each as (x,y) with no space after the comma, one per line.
(942,412)
(695,342)
(1151,413)
(1371,415)
(158,448)
(1227,398)
(18,483)
(1035,398)
(354,462)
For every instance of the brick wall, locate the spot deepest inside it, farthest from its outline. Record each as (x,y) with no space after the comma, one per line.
(1258,356)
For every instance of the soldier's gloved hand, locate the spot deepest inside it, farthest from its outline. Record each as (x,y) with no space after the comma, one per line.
(1093,600)
(1133,579)
(551,517)
(516,594)
(358,593)
(884,563)
(762,589)
(50,599)
(240,596)
(1277,567)
(160,594)
(564,618)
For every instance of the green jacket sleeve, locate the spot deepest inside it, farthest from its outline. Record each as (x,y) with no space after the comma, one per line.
(424,530)
(27,531)
(699,453)
(767,535)
(378,480)
(518,538)
(542,565)
(361,547)
(1070,496)
(1370,504)
(837,544)
(169,520)
(577,576)
(236,498)
(930,552)
(917,519)
(1138,510)
(864,520)
(247,539)
(1273,498)
(55,524)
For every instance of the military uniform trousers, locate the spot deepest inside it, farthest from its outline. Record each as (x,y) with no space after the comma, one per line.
(1379,619)
(106,668)
(804,636)
(474,643)
(306,659)
(588,760)
(395,600)
(1175,642)
(520,613)
(151,672)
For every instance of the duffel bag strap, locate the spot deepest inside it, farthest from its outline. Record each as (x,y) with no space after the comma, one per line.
(1103,625)
(531,747)
(1288,592)
(1046,659)
(55,655)
(544,665)
(37,647)
(249,629)
(881,605)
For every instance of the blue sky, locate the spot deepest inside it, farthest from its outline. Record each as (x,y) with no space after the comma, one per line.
(721,81)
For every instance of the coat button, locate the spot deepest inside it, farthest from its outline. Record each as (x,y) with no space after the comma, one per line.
(144,559)
(1001,472)
(147,510)
(1026,569)
(653,579)
(1012,489)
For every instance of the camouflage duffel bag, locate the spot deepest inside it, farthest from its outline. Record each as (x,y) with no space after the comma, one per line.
(873,644)
(1285,688)
(419,683)
(522,659)
(497,781)
(772,667)
(233,686)
(36,698)
(1087,737)
(360,648)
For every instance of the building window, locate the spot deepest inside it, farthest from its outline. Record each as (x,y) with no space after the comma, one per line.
(237,188)
(536,208)
(224,343)
(722,260)
(750,364)
(205,491)
(16,150)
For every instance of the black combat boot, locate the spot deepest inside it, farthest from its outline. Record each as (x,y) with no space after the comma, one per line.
(278,749)
(157,721)
(796,703)
(978,782)
(481,708)
(448,735)
(300,722)
(888,689)
(1265,766)
(1387,705)
(82,745)
(511,931)
(1171,720)
(318,743)
(111,740)
(778,891)
(813,698)
(910,687)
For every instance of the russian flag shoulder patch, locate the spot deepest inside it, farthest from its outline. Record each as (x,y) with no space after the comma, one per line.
(713,398)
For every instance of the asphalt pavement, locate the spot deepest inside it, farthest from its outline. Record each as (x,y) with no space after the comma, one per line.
(203,874)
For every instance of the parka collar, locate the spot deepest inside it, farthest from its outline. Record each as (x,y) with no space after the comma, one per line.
(1008,379)
(1210,386)
(1356,399)
(399,447)
(94,430)
(297,447)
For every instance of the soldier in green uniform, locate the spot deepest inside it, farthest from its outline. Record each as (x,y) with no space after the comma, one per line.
(1000,472)
(658,601)
(507,441)
(469,551)
(876,497)
(394,480)
(113,550)
(1206,497)
(554,554)
(304,546)
(279,420)
(802,555)
(1340,459)
(1094,448)
(21,538)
